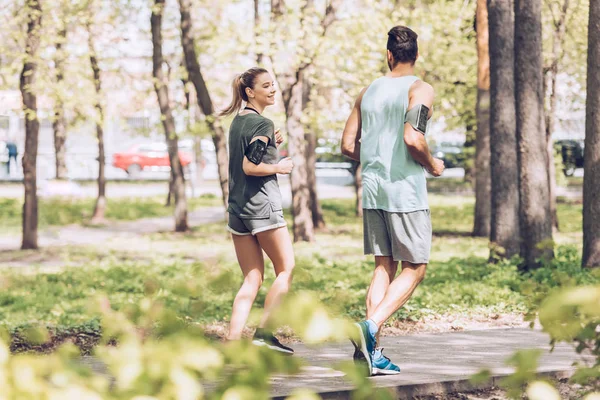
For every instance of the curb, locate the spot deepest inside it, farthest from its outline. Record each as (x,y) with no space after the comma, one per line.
(408,391)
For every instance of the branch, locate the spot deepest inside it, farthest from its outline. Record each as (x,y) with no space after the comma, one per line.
(329,18)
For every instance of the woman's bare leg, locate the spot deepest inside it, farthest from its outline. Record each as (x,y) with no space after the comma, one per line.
(278,246)
(252,263)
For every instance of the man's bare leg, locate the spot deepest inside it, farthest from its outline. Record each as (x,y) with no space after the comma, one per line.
(383,276)
(398,292)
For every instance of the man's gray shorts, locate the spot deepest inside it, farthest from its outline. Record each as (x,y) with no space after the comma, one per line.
(239,226)
(405,236)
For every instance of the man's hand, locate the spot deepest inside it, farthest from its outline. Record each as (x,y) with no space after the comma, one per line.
(285,166)
(438,167)
(278,138)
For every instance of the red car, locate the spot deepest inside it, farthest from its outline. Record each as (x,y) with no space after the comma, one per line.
(152,156)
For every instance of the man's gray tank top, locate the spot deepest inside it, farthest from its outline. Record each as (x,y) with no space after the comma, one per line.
(252,197)
(392,180)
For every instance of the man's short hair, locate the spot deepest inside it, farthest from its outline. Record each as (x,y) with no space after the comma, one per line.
(402,43)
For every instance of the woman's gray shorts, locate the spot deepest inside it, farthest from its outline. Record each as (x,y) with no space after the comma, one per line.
(239,226)
(405,236)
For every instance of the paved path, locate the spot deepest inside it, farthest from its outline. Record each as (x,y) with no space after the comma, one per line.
(425,360)
(430,363)
(82,235)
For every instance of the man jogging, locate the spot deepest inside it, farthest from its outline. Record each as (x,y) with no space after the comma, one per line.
(386,133)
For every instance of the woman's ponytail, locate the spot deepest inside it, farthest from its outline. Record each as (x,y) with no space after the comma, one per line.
(238,94)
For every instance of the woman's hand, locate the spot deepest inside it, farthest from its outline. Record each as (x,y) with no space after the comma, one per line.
(285,166)
(278,138)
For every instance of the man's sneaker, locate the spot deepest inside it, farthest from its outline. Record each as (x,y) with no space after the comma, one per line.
(364,345)
(263,337)
(382,365)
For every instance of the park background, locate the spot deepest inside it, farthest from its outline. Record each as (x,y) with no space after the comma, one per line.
(95,254)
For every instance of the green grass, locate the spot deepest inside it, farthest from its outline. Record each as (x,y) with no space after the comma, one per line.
(448,185)
(333,269)
(58,211)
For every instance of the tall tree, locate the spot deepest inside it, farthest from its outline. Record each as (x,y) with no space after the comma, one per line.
(483,204)
(591,178)
(535,216)
(505,230)
(162,93)
(292,81)
(558,37)
(32,125)
(59,124)
(203,96)
(311,162)
(100,206)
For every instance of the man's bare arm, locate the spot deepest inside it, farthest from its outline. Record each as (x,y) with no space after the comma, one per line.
(421,93)
(352,130)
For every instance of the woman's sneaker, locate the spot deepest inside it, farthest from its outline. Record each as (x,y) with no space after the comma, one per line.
(263,337)
(382,365)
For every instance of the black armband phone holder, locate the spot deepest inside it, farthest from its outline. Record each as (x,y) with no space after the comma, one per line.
(256,151)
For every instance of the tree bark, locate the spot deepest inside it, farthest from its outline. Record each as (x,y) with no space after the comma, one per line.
(59,125)
(162,92)
(32,125)
(505,230)
(311,164)
(557,42)
(483,203)
(259,54)
(469,151)
(358,188)
(303,223)
(203,96)
(591,178)
(100,207)
(535,216)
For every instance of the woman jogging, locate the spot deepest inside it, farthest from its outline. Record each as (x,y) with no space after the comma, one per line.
(255,211)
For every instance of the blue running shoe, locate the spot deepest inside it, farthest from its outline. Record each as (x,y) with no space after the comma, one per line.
(364,345)
(382,365)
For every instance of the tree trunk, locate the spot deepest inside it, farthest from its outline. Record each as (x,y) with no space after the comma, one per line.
(292,93)
(591,178)
(203,96)
(469,151)
(171,188)
(59,125)
(100,207)
(162,92)
(301,210)
(535,217)
(259,54)
(505,230)
(559,34)
(357,173)
(483,203)
(311,163)
(32,125)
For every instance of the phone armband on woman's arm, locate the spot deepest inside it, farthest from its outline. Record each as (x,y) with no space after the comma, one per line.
(256,151)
